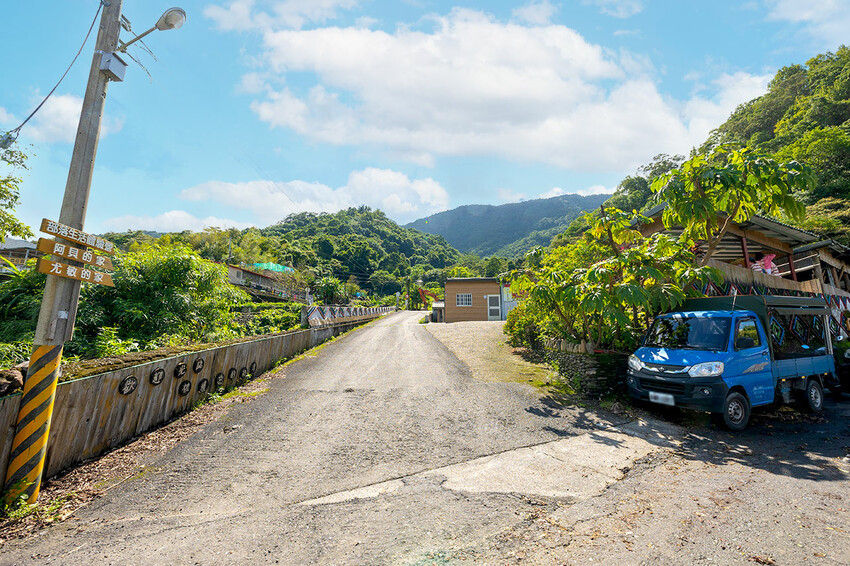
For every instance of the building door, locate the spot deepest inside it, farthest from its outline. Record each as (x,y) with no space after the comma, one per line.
(494,307)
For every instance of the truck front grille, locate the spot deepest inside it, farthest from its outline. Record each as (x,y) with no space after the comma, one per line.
(662,386)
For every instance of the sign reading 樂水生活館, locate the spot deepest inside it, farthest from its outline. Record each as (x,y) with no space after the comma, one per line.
(70,252)
(78,236)
(74,272)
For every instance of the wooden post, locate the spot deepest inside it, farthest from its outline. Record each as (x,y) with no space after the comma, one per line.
(59,305)
(834,274)
(791,266)
(746,252)
(818,270)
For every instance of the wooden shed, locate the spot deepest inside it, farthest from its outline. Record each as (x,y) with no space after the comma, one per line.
(473,298)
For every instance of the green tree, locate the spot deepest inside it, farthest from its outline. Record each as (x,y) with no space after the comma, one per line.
(711,190)
(607,303)
(12,160)
(328,290)
(162,291)
(384,283)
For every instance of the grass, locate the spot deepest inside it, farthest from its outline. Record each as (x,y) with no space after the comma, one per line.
(19,509)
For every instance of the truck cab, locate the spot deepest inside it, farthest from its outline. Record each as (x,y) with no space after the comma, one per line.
(725,355)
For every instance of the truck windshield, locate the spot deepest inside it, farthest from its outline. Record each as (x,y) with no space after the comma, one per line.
(680,333)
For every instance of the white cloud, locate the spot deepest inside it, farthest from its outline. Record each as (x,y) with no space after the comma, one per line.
(472,85)
(617,8)
(706,114)
(827,21)
(57,120)
(172,221)
(242,15)
(509,195)
(400,197)
(536,12)
(592,190)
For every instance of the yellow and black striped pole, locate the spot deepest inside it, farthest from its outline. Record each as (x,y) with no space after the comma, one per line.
(26,462)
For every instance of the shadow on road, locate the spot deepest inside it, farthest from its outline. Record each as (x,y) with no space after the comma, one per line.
(780,441)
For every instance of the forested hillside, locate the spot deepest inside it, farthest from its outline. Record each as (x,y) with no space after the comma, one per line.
(507,230)
(358,244)
(805,116)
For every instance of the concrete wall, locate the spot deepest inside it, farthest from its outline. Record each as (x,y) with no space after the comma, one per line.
(93,414)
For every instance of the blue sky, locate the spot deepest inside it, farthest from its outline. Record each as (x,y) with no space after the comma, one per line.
(259,108)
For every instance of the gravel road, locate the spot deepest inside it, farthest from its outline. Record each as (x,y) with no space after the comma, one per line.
(397,445)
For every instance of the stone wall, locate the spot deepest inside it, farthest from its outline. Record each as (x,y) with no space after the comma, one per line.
(591,375)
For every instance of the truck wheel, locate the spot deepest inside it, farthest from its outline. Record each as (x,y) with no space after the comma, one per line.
(812,401)
(736,412)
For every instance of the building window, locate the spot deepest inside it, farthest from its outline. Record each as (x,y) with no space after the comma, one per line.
(464,299)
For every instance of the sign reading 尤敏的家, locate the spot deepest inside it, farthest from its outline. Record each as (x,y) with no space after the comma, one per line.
(78,236)
(74,272)
(70,252)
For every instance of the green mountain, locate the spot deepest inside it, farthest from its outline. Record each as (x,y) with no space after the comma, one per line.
(358,242)
(508,230)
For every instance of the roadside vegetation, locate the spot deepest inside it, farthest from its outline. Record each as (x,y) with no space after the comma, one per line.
(785,155)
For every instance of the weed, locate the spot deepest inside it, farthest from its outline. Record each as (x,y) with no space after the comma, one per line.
(18,508)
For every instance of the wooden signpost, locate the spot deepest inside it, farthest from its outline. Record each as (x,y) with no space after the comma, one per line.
(86,256)
(52,247)
(77,236)
(74,272)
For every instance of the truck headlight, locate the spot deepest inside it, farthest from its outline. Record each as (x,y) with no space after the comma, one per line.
(706,369)
(635,363)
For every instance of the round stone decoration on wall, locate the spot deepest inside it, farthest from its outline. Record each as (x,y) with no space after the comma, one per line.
(219,380)
(231,375)
(128,385)
(184,388)
(243,373)
(157,376)
(203,385)
(180,370)
(253,369)
(198,365)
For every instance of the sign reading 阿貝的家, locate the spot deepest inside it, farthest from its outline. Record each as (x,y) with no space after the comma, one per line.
(74,272)
(78,236)
(70,252)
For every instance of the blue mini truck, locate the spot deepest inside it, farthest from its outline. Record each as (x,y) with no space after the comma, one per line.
(725,355)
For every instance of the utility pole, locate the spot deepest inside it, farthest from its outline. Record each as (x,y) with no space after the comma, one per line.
(61,295)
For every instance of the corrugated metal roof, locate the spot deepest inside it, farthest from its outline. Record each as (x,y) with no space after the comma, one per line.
(791,235)
(16,244)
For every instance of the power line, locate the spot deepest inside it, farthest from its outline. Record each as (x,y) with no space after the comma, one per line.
(12,135)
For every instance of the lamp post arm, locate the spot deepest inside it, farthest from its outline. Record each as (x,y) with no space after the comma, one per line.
(124,46)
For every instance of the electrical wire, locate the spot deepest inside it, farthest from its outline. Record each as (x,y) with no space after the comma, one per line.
(14,133)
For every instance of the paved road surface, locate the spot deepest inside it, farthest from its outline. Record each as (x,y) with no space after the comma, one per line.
(386,403)
(385,448)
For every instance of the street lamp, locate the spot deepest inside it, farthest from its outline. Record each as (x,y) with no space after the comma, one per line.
(173,18)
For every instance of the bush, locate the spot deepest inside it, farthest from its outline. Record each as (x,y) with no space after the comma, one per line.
(11,354)
(522,328)
(275,320)
(108,344)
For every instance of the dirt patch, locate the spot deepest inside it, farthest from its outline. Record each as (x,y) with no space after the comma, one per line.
(66,492)
(482,346)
